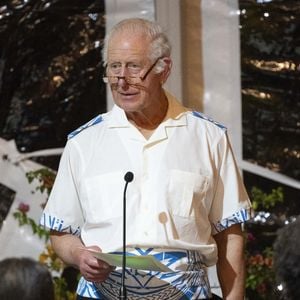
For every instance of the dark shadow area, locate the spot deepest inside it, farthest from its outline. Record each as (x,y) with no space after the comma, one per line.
(270,65)
(50,70)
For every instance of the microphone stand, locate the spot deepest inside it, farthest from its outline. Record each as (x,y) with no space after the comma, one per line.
(123,292)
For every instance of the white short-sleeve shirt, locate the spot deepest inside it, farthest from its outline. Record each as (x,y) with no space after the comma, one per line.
(186,186)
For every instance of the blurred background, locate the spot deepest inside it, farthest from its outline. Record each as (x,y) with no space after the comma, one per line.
(236,61)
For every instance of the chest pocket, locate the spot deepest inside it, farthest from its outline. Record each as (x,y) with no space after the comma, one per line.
(104,197)
(186,192)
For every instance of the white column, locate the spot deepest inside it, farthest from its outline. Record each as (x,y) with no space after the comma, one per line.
(168,16)
(221,66)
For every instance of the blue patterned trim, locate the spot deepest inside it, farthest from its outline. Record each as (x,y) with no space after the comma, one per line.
(239,217)
(204,117)
(92,122)
(58,225)
(88,289)
(189,281)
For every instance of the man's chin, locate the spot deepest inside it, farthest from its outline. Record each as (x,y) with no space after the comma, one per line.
(128,106)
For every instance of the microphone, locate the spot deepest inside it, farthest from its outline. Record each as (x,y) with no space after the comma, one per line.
(123,294)
(128,177)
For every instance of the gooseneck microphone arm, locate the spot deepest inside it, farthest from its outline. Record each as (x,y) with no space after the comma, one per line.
(123,294)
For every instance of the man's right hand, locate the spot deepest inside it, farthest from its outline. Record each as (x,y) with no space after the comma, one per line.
(72,252)
(91,268)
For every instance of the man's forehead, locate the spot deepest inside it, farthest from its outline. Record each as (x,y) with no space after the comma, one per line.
(135,52)
(126,41)
(122,45)
(120,53)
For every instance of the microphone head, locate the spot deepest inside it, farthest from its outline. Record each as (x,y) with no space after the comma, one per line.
(128,177)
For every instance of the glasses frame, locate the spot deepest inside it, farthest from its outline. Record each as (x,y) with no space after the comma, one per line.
(141,78)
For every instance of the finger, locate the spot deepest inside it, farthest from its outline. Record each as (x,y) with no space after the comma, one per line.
(97,276)
(99,271)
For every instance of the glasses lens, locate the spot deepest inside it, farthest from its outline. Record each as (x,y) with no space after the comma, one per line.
(110,79)
(133,80)
(128,79)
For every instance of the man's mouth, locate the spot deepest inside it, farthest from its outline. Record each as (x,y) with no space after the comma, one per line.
(128,94)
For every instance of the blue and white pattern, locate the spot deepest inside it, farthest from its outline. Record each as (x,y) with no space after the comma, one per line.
(188,281)
(240,216)
(57,224)
(92,122)
(204,117)
(88,289)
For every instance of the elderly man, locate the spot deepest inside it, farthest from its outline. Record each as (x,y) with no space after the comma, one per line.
(186,202)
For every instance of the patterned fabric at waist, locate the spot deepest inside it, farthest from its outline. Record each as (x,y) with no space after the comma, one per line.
(188,279)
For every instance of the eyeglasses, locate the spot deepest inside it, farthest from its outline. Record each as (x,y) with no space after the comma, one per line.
(129,79)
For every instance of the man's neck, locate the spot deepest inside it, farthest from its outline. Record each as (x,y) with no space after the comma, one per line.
(149,121)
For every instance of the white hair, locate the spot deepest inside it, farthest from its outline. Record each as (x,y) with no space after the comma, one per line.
(159,42)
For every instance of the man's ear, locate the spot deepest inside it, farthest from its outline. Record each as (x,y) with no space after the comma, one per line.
(167,69)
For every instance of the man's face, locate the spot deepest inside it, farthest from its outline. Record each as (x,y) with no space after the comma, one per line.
(128,57)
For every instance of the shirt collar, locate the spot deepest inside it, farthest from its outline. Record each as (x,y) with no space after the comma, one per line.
(176,112)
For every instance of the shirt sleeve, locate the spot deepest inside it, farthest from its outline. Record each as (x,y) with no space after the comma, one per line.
(231,203)
(63,211)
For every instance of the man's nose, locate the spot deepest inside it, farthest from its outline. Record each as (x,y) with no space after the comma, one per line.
(122,82)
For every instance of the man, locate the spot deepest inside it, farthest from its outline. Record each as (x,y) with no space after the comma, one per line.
(186,202)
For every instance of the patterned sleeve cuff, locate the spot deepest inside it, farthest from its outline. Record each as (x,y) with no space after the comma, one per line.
(57,224)
(240,216)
